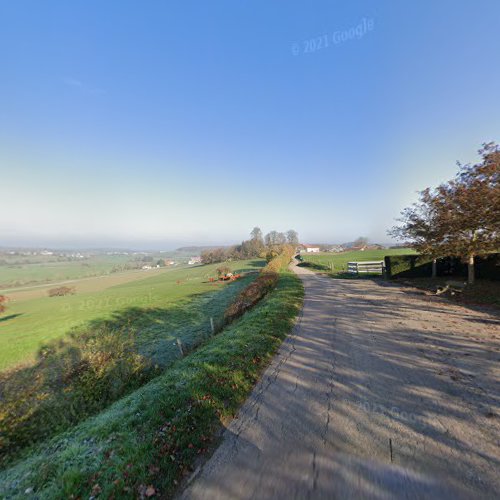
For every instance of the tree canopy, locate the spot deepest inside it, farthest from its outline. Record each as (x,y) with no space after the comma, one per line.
(460,217)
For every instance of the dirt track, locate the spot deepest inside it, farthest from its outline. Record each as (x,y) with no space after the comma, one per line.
(380,392)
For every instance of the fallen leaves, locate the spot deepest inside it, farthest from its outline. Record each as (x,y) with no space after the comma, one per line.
(146,491)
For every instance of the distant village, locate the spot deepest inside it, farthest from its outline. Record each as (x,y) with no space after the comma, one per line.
(307,248)
(167,262)
(125,259)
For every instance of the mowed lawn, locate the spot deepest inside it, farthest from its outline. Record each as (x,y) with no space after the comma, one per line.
(173,304)
(335,264)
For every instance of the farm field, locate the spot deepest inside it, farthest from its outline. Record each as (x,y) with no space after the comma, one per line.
(21,274)
(172,299)
(90,284)
(335,264)
(21,271)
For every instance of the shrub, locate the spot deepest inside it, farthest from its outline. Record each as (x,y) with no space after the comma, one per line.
(488,266)
(223,270)
(251,295)
(3,299)
(280,261)
(71,380)
(407,266)
(267,280)
(61,291)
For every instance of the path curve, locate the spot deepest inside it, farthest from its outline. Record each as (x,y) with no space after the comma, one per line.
(379,392)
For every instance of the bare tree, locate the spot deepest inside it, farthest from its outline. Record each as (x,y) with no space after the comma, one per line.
(292,237)
(362,241)
(256,234)
(271,238)
(280,238)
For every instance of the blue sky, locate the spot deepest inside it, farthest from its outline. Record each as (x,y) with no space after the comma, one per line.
(155,124)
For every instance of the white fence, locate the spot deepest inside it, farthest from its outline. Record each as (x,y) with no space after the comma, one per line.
(372,267)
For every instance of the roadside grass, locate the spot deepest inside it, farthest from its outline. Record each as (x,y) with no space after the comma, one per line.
(96,364)
(147,442)
(481,293)
(26,325)
(335,264)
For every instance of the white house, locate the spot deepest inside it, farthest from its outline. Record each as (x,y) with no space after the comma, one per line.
(194,260)
(309,249)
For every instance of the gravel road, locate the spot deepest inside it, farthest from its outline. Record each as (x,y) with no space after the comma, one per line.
(380,392)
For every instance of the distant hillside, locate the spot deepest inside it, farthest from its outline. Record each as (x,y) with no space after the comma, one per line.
(195,249)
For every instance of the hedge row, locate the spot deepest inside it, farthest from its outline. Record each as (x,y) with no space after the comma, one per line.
(417,266)
(267,280)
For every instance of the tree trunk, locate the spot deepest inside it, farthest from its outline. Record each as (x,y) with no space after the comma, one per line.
(470,269)
(434,268)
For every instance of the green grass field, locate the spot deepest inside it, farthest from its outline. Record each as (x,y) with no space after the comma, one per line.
(335,264)
(176,301)
(54,271)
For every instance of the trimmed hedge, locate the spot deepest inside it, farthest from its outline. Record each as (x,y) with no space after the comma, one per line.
(488,267)
(407,266)
(418,266)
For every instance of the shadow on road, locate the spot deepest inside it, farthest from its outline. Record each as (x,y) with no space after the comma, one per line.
(378,394)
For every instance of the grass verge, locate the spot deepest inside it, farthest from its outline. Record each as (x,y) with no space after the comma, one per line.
(144,444)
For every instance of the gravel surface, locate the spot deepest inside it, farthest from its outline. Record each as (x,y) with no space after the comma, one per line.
(380,392)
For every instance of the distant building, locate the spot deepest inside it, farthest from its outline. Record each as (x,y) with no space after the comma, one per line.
(146,267)
(309,249)
(194,260)
(336,249)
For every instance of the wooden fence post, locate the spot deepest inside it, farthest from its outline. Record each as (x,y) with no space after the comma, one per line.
(179,345)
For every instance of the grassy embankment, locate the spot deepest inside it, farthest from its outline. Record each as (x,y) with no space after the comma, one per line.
(335,264)
(146,442)
(131,333)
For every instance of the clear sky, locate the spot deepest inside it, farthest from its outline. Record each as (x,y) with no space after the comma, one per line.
(160,123)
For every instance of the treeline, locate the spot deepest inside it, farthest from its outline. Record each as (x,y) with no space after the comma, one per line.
(258,245)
